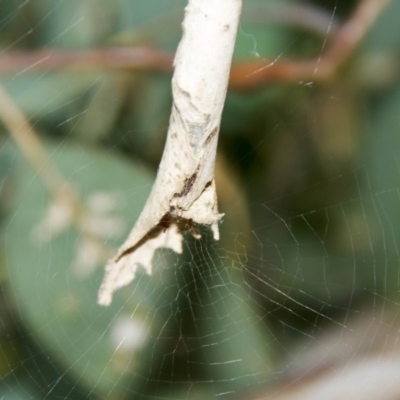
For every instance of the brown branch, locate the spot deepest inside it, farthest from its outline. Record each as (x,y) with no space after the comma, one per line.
(245,75)
(248,75)
(138,58)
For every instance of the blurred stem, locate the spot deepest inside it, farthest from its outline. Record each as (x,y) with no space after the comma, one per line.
(138,58)
(63,193)
(26,139)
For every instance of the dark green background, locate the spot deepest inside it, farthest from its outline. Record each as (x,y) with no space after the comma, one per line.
(308,178)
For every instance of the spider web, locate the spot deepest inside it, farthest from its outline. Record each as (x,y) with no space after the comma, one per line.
(299,299)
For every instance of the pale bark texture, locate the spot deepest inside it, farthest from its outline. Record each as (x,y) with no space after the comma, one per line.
(183,194)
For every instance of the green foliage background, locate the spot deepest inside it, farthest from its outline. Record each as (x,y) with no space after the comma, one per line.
(309,183)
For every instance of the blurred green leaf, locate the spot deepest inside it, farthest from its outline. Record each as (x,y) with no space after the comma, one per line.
(100,346)
(237,346)
(324,231)
(257,40)
(51,97)
(384,34)
(382,178)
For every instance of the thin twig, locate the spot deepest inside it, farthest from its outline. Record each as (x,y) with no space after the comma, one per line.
(244,75)
(342,42)
(26,139)
(64,195)
(149,58)
(141,58)
(250,75)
